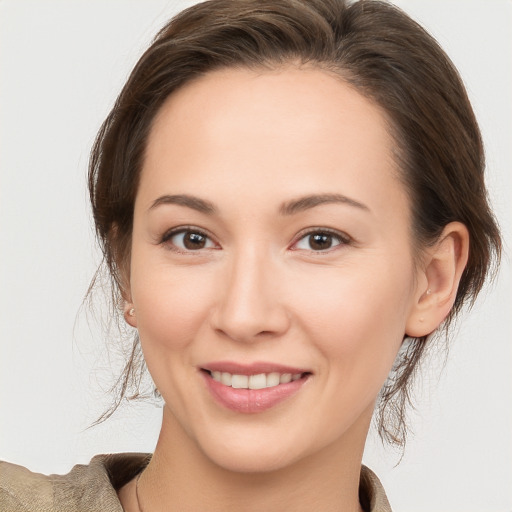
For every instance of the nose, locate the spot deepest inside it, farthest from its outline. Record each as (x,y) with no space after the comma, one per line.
(250,304)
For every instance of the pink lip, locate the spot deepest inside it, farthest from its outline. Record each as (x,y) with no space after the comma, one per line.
(250,401)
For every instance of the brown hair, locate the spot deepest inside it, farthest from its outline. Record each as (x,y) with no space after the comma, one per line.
(371,45)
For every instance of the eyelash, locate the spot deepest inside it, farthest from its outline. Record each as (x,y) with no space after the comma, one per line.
(168,235)
(342,238)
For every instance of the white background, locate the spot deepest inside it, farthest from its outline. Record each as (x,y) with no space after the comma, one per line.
(62,64)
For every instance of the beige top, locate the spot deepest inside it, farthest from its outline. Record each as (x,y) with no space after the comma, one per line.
(93,487)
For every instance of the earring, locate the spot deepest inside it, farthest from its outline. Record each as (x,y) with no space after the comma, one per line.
(429,291)
(131,312)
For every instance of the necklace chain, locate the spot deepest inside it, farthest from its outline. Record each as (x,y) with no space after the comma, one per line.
(137,491)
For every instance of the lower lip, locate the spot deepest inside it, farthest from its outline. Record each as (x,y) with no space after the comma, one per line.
(250,401)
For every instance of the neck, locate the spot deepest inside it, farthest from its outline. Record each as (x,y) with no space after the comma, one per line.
(181,477)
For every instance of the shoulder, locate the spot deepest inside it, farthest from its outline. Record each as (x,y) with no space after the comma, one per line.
(22,490)
(91,487)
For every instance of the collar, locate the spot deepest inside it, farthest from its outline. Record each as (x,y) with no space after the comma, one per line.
(93,487)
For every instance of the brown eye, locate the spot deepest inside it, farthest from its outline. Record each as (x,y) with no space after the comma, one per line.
(193,241)
(189,240)
(319,241)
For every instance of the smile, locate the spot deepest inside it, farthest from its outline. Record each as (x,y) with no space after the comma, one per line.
(254,388)
(259,381)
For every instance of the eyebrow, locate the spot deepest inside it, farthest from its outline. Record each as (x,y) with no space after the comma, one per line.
(289,208)
(307,202)
(201,205)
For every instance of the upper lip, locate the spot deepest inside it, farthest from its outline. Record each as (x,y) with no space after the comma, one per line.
(251,368)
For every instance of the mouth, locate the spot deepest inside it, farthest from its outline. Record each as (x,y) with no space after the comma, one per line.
(254,388)
(257,381)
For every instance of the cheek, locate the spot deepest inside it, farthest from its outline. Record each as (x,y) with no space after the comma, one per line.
(171,305)
(356,322)
(357,318)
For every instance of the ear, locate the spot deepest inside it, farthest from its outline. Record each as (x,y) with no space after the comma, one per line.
(128,306)
(122,254)
(129,314)
(438,281)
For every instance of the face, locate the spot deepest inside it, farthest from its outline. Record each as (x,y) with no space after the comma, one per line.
(271,269)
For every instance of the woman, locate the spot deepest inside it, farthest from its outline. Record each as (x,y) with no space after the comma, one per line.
(290,201)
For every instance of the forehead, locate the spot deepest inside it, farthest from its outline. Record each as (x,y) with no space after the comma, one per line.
(290,130)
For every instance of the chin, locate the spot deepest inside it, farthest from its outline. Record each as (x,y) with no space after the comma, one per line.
(261,462)
(250,456)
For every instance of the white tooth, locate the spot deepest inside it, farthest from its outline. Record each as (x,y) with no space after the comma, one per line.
(285,378)
(216,376)
(225,378)
(296,376)
(272,379)
(239,381)
(258,381)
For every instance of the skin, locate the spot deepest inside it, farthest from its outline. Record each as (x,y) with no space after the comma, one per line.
(251,144)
